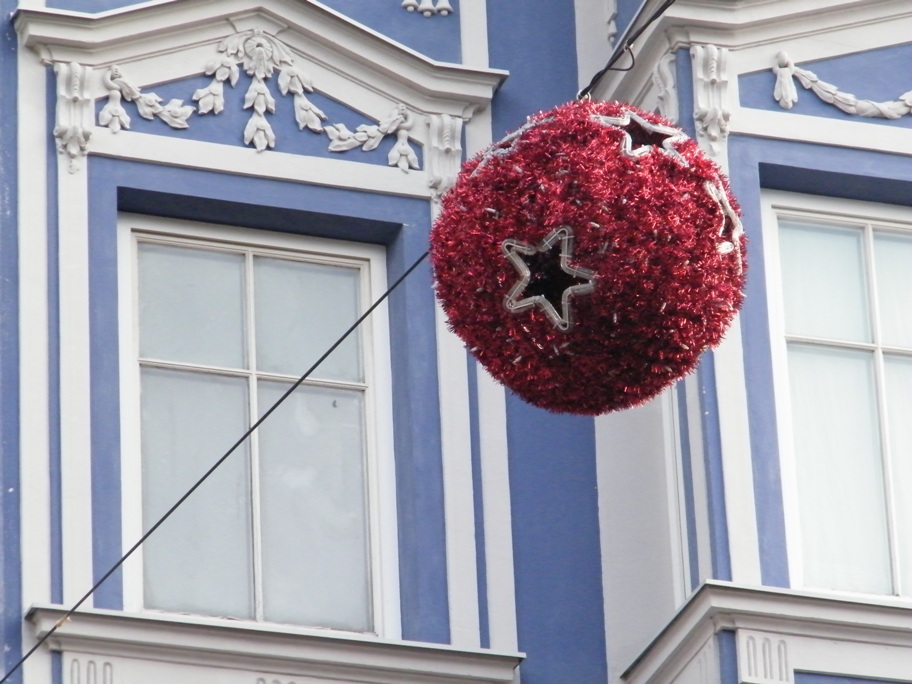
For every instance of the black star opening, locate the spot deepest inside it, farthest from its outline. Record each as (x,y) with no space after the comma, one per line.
(546,278)
(642,136)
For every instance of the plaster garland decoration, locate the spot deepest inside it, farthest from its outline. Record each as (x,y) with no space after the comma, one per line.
(427,8)
(367,136)
(711,113)
(149,105)
(787,95)
(73,115)
(588,258)
(261,56)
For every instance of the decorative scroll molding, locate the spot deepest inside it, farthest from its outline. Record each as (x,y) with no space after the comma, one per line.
(428,8)
(73,124)
(261,56)
(444,152)
(763,658)
(787,95)
(710,74)
(663,77)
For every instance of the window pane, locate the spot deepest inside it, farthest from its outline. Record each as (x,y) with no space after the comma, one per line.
(199,560)
(899,415)
(314,512)
(301,310)
(893,264)
(190,305)
(823,281)
(840,475)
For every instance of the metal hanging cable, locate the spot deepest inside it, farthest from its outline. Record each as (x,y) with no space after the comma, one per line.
(243,438)
(627,48)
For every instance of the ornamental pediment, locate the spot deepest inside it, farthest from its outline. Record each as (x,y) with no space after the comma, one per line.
(290,68)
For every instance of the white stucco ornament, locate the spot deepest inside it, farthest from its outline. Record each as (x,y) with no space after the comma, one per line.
(427,8)
(262,56)
(148,105)
(787,95)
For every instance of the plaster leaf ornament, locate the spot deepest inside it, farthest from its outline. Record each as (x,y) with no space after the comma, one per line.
(368,136)
(786,94)
(711,112)
(427,8)
(148,105)
(73,115)
(589,258)
(443,153)
(260,55)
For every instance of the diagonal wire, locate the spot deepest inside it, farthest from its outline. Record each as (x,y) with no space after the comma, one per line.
(213,468)
(627,48)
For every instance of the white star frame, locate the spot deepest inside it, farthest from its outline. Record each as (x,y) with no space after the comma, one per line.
(727,212)
(514,301)
(620,123)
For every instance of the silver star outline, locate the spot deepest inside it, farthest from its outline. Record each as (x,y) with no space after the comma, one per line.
(726,211)
(672,135)
(510,140)
(515,303)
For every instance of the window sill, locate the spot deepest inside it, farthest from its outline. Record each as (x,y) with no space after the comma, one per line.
(144,648)
(778,632)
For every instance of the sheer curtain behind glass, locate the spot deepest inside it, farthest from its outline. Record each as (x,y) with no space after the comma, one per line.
(279,533)
(848,295)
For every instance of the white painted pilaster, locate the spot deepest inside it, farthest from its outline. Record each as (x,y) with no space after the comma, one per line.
(34,399)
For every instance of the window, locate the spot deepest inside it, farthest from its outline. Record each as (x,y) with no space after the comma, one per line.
(845,346)
(226,320)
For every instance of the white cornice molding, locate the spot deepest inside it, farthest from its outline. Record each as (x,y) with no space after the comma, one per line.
(254,648)
(820,632)
(750,29)
(152,30)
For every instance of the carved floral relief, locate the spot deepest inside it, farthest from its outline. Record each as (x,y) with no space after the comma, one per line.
(271,66)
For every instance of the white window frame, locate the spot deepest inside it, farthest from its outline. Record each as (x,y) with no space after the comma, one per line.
(778,204)
(380,464)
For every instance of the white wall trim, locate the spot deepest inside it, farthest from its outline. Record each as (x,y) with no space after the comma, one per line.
(473,31)
(34,360)
(851,636)
(857,134)
(143,647)
(75,385)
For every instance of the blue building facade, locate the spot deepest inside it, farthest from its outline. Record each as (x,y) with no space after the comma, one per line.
(199,197)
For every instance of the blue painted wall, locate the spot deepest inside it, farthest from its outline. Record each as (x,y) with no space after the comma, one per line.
(877,75)
(556,551)
(10,560)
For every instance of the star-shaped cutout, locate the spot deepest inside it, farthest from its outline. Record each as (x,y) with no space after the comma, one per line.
(642,136)
(546,278)
(730,228)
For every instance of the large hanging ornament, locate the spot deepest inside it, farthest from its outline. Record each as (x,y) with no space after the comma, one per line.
(589,257)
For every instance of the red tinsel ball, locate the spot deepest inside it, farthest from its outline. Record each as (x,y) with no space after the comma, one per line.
(589,257)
